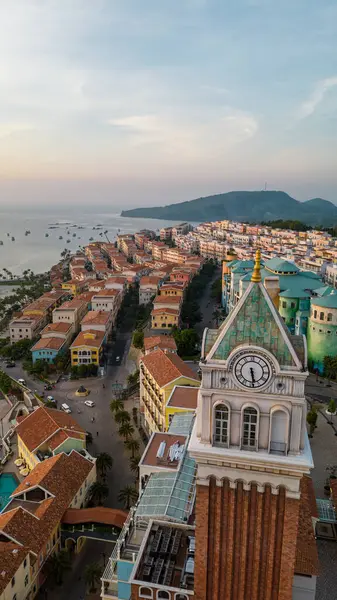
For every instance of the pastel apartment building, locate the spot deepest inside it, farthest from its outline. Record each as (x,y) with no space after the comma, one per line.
(30,523)
(87,348)
(98,320)
(167,301)
(164,342)
(75,286)
(116,282)
(174,288)
(25,328)
(159,373)
(165,318)
(148,287)
(183,399)
(55,339)
(72,312)
(108,300)
(46,432)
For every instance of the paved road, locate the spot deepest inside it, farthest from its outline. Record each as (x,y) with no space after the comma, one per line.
(207,306)
(74,587)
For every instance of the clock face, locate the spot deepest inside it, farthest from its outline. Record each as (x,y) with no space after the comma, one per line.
(252,371)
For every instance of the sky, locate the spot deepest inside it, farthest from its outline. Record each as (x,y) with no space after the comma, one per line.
(148,102)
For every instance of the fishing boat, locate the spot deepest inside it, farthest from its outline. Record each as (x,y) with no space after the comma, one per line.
(61,237)
(13,238)
(74,234)
(8,234)
(46,235)
(27,232)
(68,241)
(1,243)
(91,239)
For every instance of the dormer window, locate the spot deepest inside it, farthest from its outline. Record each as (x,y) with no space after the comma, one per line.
(221,421)
(249,428)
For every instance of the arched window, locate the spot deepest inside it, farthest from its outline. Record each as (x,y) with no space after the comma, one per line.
(321,316)
(181,597)
(221,417)
(249,428)
(145,592)
(279,432)
(163,595)
(315,314)
(329,317)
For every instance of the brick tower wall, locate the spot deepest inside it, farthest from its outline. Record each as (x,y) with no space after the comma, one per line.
(245,543)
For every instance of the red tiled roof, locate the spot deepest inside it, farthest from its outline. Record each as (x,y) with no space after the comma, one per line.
(91,337)
(96,317)
(49,343)
(306,561)
(167,367)
(11,557)
(164,310)
(40,425)
(162,341)
(61,327)
(184,397)
(167,300)
(97,514)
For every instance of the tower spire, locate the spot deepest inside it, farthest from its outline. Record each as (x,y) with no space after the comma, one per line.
(256,275)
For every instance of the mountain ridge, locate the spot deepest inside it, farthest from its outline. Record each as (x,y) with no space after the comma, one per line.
(245,206)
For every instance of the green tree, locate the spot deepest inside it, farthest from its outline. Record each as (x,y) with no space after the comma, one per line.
(122,417)
(82,370)
(92,576)
(133,446)
(187,341)
(88,438)
(134,463)
(126,431)
(97,492)
(104,463)
(138,339)
(133,378)
(57,564)
(74,372)
(312,420)
(116,405)
(332,408)
(128,495)
(216,290)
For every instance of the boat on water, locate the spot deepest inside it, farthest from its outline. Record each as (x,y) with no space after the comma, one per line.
(68,241)
(46,235)
(1,243)
(61,237)
(8,234)
(74,234)
(91,239)
(27,232)
(13,238)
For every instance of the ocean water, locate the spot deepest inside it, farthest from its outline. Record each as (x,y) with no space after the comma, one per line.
(38,252)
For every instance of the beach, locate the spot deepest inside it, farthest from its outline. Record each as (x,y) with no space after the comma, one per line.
(39,252)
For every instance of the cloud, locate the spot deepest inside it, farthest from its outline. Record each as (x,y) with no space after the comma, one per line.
(309,106)
(183,137)
(8,129)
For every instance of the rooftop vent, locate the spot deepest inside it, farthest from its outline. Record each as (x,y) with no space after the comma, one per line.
(161,450)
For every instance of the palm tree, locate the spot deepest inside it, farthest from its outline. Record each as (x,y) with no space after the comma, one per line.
(126,430)
(128,495)
(104,463)
(92,576)
(133,446)
(88,437)
(97,492)
(116,405)
(134,463)
(57,564)
(122,416)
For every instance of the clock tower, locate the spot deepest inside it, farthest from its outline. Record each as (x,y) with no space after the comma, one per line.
(251,448)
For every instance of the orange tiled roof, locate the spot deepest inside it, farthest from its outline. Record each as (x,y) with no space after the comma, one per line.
(165,311)
(104,293)
(62,476)
(149,279)
(40,425)
(184,397)
(71,304)
(165,368)
(11,557)
(97,514)
(167,300)
(96,317)
(61,327)
(306,561)
(49,343)
(163,341)
(91,337)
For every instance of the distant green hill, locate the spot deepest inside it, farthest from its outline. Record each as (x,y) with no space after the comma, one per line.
(244,206)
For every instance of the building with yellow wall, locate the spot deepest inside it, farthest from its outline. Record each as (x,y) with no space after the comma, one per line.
(30,522)
(159,374)
(47,432)
(165,318)
(181,400)
(87,348)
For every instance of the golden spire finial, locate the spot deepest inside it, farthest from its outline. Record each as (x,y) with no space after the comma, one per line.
(256,276)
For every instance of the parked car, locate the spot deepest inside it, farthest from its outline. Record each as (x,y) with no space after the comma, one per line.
(51,399)
(118,359)
(89,403)
(66,408)
(48,386)
(10,363)
(21,381)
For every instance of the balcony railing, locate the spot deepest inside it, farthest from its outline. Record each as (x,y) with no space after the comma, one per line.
(249,443)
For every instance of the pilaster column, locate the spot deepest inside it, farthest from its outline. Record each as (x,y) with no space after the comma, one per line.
(295,429)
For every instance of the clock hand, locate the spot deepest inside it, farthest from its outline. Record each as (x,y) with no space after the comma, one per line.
(252,374)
